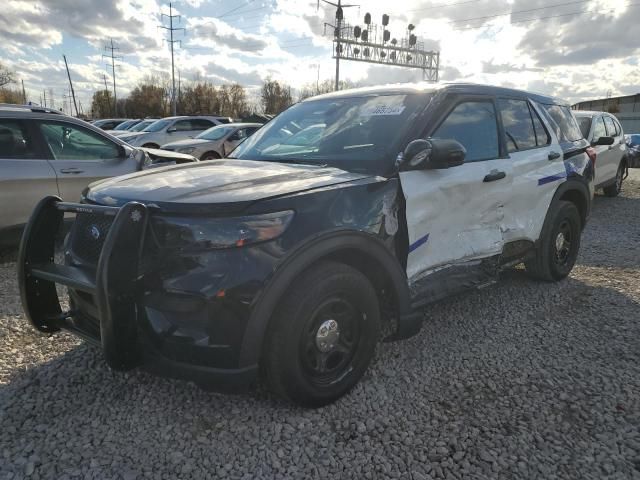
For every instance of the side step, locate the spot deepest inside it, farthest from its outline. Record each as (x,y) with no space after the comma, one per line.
(71,277)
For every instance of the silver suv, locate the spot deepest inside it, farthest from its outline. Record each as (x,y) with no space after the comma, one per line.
(43,152)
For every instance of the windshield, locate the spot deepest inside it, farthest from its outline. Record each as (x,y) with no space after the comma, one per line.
(126,125)
(142,125)
(157,125)
(585,125)
(354,133)
(633,140)
(215,133)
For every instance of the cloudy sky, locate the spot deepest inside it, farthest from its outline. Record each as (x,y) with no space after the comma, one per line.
(573,49)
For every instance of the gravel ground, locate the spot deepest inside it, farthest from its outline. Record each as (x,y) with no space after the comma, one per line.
(520,380)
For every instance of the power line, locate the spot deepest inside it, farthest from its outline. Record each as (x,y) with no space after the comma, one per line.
(249,2)
(113,72)
(171,41)
(487,17)
(443,5)
(581,12)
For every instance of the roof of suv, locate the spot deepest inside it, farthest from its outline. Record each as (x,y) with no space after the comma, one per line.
(424,87)
(27,109)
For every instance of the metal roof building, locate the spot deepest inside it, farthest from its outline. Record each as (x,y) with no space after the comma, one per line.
(625,108)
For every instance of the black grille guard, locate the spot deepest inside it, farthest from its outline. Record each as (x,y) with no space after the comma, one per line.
(113,284)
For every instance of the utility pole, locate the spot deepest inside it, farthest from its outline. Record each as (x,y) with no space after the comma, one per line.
(45,98)
(73,94)
(113,73)
(171,41)
(24,93)
(337,30)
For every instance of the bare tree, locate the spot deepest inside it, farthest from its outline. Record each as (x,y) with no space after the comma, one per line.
(275,97)
(6,76)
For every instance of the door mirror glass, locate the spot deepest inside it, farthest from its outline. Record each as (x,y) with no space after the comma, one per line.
(434,153)
(172,129)
(604,141)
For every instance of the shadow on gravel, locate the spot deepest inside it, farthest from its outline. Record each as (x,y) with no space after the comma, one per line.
(495,386)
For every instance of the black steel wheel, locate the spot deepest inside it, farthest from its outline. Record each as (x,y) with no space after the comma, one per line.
(559,244)
(323,335)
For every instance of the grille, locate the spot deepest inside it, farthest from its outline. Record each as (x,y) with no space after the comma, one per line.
(88,236)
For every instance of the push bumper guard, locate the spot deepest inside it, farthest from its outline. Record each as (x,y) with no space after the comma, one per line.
(113,283)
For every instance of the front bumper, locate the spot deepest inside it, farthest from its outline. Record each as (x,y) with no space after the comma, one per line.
(117,306)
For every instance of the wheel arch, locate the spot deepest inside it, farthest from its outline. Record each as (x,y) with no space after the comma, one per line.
(576,192)
(360,250)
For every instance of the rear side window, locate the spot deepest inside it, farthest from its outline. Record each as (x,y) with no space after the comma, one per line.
(473,124)
(611,127)
(201,124)
(565,124)
(522,126)
(15,142)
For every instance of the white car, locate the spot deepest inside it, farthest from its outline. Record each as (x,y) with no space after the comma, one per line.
(216,142)
(611,158)
(172,129)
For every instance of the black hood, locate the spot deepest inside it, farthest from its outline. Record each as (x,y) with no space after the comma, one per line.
(215,183)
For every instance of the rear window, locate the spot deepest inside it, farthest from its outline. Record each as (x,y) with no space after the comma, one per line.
(566,126)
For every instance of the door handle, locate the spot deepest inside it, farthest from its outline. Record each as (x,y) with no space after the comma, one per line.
(72,171)
(553,156)
(493,176)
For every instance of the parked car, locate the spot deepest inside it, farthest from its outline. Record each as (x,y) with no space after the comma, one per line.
(633,150)
(124,125)
(171,129)
(288,261)
(135,128)
(215,142)
(43,152)
(607,137)
(109,123)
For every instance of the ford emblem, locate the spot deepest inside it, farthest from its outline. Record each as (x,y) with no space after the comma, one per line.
(95,232)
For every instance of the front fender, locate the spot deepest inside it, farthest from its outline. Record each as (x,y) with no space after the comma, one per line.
(299,260)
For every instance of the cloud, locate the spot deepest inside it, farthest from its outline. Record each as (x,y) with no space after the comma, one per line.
(215,32)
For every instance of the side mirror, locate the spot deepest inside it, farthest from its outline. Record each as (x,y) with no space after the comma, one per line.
(172,129)
(434,153)
(604,141)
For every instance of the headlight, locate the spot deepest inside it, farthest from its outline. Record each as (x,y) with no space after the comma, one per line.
(214,233)
(187,150)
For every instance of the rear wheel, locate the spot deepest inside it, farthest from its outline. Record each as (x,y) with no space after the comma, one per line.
(614,189)
(559,244)
(322,336)
(210,156)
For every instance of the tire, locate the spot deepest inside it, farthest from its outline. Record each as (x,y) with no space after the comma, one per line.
(614,189)
(299,363)
(210,156)
(556,255)
(150,145)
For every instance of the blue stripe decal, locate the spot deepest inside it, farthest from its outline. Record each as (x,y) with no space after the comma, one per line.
(552,178)
(418,243)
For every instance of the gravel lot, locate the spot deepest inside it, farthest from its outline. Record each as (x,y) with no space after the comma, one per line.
(520,380)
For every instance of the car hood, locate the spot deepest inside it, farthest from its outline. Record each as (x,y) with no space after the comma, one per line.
(187,142)
(229,184)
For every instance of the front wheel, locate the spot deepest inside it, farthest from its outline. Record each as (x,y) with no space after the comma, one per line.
(322,336)
(558,246)
(614,189)
(150,145)
(210,156)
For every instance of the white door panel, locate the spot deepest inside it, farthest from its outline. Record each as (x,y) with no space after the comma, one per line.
(453,215)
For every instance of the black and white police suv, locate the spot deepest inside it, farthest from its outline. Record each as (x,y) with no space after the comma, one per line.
(345,211)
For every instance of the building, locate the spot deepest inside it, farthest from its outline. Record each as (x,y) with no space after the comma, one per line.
(626,109)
